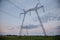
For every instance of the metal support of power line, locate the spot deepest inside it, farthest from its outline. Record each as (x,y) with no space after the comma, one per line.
(23,22)
(41,23)
(36,10)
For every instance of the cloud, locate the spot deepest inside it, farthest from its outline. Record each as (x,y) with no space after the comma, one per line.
(0,1)
(59,3)
(58,29)
(31,26)
(51,15)
(49,28)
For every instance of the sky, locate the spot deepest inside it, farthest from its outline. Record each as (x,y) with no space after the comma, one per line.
(11,19)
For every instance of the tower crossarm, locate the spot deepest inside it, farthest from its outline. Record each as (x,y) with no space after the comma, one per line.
(32,9)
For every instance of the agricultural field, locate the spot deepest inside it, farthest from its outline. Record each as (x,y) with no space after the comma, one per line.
(29,37)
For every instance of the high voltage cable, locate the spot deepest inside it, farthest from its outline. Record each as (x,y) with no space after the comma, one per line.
(15,5)
(9,14)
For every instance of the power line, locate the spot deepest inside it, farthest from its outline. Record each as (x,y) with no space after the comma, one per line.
(15,5)
(9,14)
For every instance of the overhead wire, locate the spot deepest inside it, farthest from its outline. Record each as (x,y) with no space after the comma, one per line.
(9,14)
(15,5)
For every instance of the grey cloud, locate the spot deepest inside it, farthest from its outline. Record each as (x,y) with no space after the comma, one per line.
(30,26)
(58,18)
(59,3)
(50,16)
(0,0)
(58,28)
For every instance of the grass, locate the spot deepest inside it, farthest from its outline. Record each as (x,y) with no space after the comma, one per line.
(29,37)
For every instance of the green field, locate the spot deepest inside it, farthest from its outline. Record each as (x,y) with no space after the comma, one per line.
(29,37)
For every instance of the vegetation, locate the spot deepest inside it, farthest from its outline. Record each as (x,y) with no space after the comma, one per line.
(29,37)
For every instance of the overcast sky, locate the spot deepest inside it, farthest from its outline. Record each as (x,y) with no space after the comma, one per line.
(10,22)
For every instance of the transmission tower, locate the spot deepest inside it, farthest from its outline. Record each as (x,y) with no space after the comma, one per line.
(36,8)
